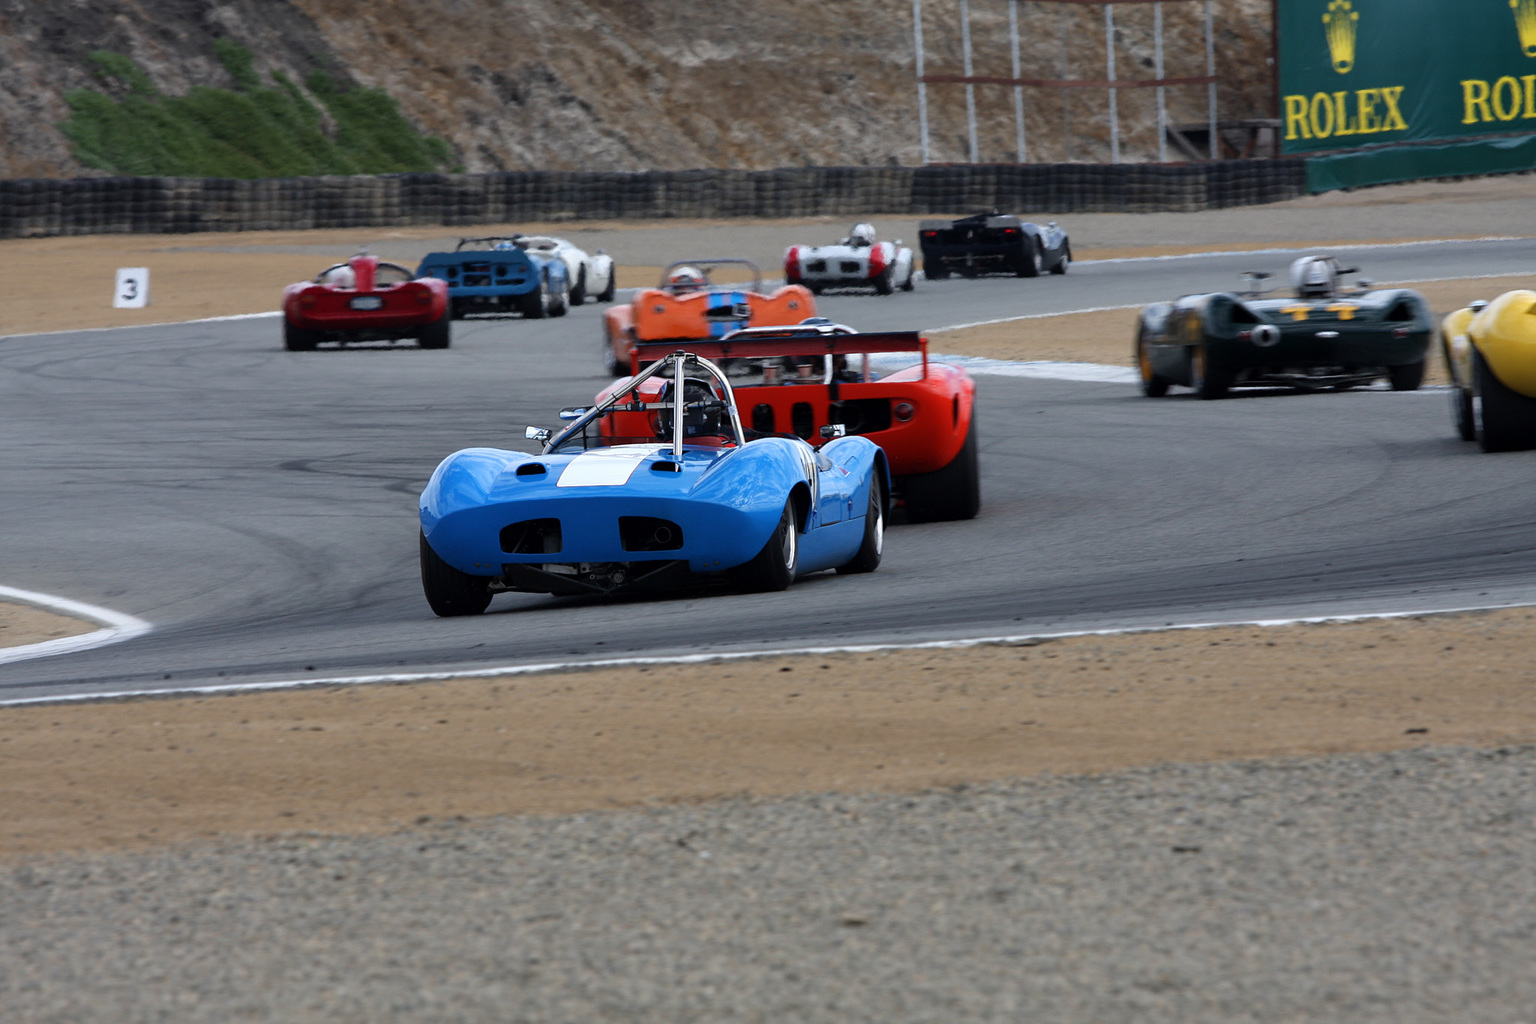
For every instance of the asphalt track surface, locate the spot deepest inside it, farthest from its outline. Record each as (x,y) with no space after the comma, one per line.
(259,506)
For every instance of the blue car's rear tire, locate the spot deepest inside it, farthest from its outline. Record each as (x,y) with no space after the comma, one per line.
(868,558)
(535,304)
(774,567)
(449,591)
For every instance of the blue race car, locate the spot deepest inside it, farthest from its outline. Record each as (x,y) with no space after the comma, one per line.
(497,276)
(657,484)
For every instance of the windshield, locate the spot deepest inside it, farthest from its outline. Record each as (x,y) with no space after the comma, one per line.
(646,410)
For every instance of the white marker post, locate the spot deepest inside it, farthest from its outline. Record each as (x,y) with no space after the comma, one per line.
(132,290)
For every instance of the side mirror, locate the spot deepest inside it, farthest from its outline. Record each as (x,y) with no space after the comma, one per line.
(1363,283)
(834,430)
(1478,306)
(571,412)
(539,434)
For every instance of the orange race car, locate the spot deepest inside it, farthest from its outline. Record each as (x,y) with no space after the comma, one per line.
(687,306)
(816,381)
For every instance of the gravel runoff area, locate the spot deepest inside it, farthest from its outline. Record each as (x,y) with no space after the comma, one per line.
(1393,888)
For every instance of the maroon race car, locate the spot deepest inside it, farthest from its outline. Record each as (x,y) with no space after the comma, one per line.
(365,299)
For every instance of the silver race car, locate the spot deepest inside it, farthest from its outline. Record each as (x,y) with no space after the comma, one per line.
(857,261)
(591,277)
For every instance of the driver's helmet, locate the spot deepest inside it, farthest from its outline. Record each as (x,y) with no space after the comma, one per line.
(342,276)
(862,236)
(686,279)
(504,244)
(1315,277)
(703,409)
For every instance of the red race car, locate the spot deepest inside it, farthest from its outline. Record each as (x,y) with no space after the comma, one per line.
(814,381)
(365,299)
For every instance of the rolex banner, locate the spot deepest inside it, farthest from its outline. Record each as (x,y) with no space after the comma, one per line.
(1359,73)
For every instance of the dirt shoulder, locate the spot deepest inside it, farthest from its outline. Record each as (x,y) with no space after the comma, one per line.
(55,284)
(378,758)
(27,624)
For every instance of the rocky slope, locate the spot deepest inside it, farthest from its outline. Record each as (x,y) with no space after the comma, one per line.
(639,84)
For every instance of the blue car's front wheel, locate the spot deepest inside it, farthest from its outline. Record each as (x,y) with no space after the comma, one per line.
(868,557)
(449,591)
(774,567)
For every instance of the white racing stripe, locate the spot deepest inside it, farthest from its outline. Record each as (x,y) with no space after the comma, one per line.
(606,467)
(1016,639)
(116,627)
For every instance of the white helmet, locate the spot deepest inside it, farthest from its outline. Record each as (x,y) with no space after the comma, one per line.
(862,236)
(686,279)
(1315,277)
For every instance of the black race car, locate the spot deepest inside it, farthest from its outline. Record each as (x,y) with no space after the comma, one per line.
(992,243)
(1321,336)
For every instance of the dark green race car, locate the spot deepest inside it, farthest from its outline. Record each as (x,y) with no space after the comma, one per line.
(1322,336)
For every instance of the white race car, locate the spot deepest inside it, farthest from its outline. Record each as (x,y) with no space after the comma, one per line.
(591,277)
(858,261)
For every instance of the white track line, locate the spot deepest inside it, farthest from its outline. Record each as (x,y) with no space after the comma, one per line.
(116,627)
(545,668)
(136,327)
(1342,247)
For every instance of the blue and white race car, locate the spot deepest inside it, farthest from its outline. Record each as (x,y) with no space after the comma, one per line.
(495,275)
(656,484)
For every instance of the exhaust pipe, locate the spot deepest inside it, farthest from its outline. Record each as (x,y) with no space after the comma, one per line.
(662,536)
(1265,335)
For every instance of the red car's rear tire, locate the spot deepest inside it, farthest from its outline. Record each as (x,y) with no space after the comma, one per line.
(953,492)
(435,334)
(298,339)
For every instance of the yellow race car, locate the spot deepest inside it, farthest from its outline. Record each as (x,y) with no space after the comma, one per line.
(1490,350)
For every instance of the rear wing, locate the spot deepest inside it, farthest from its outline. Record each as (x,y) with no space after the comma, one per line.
(760,344)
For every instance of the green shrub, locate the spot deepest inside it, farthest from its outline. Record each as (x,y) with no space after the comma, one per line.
(252,131)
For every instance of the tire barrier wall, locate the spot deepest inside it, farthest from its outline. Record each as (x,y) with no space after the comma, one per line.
(90,206)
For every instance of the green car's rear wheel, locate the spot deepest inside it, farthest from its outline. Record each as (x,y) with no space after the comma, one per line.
(1406,378)
(1208,381)
(1152,385)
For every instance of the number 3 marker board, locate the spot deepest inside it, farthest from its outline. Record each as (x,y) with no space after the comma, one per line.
(132,288)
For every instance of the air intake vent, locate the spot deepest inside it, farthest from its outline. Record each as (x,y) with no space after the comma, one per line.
(762,418)
(532,537)
(532,469)
(645,533)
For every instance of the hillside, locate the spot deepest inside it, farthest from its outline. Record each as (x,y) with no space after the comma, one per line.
(639,84)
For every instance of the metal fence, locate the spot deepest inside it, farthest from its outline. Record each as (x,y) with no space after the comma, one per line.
(90,206)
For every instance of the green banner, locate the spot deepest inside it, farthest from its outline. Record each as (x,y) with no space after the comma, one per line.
(1365,72)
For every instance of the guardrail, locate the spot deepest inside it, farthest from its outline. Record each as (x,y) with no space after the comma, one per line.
(89,206)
